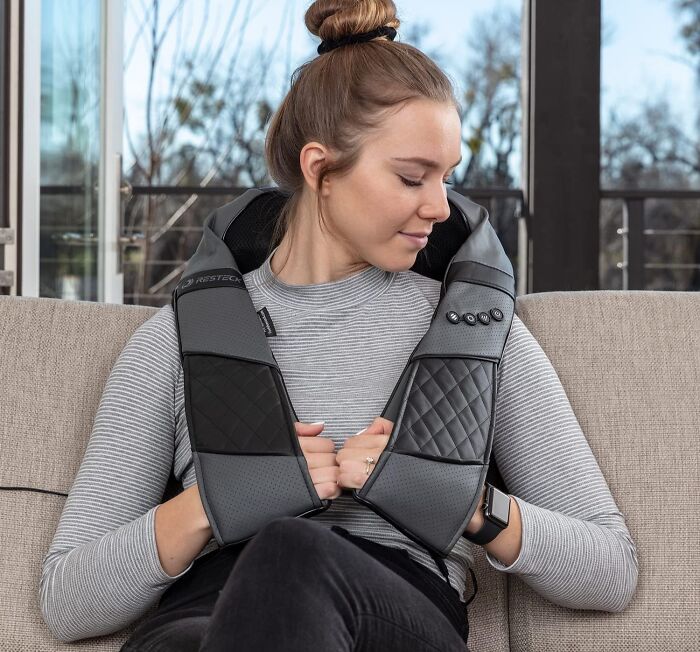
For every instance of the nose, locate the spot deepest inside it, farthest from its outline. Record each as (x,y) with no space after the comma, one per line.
(436,207)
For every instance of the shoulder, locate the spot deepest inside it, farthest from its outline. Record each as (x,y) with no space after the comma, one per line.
(519,335)
(428,287)
(521,338)
(154,343)
(160,324)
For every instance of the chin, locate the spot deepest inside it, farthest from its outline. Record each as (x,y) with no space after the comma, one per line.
(398,264)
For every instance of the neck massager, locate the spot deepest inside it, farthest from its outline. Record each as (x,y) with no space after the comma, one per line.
(249,465)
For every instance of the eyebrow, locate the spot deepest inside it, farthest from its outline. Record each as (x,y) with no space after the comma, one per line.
(424,161)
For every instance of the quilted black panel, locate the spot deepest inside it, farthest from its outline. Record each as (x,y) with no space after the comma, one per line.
(448,411)
(235,407)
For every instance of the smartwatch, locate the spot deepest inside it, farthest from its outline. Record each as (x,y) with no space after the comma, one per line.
(496,508)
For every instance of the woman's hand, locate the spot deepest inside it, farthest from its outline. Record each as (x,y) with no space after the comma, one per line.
(477,519)
(320,458)
(368,442)
(193,504)
(182,530)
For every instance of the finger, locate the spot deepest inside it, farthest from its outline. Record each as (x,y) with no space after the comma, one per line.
(352,474)
(354,467)
(351,480)
(324,474)
(308,429)
(380,426)
(328,490)
(316,445)
(367,441)
(318,460)
(357,454)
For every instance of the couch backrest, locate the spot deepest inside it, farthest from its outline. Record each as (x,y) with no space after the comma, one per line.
(630,365)
(55,357)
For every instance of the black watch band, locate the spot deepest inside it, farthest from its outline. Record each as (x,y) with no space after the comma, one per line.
(496,508)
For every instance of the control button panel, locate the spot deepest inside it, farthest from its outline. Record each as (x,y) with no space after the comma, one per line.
(472,320)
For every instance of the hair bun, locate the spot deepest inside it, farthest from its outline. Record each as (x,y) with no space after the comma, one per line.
(334,20)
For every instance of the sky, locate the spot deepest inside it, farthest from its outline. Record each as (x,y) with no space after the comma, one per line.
(267,16)
(642,54)
(643,57)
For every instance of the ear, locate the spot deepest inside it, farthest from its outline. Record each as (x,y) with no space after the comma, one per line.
(313,155)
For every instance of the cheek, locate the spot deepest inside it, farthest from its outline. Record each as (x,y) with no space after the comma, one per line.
(383,221)
(380,210)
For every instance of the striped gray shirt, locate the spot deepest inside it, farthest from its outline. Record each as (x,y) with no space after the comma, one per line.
(341,347)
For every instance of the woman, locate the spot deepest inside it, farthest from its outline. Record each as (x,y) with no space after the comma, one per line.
(365,139)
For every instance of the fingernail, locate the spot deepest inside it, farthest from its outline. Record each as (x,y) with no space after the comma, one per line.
(361,431)
(320,423)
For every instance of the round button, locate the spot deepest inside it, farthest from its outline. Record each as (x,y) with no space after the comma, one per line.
(484,318)
(453,317)
(496,314)
(469,318)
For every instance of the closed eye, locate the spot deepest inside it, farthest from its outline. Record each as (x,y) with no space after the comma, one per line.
(413,184)
(409,183)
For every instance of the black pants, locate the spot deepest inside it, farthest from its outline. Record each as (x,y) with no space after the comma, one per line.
(298,586)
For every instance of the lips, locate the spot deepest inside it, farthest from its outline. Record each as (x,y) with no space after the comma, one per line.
(417,241)
(416,235)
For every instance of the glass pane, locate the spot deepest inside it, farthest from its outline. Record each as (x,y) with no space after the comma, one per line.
(70,148)
(198,115)
(650,137)
(650,76)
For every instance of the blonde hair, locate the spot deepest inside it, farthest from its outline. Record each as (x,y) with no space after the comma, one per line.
(340,97)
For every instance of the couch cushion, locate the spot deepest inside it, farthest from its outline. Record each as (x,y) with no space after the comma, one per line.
(34,517)
(630,365)
(488,617)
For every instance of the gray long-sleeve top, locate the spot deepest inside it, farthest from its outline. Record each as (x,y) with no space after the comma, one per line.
(341,347)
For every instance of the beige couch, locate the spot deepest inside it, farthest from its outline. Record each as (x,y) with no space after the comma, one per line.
(630,364)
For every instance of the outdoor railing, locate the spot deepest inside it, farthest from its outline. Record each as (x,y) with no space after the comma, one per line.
(633,232)
(487,197)
(493,199)
(7,278)
(503,218)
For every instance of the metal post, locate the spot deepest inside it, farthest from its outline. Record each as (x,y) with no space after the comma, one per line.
(633,244)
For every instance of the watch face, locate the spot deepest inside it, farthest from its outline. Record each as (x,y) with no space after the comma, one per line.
(498,506)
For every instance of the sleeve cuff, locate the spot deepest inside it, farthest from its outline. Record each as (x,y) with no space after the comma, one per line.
(155,569)
(523,562)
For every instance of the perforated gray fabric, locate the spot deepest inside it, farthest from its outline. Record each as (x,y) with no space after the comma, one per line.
(243,492)
(231,328)
(445,339)
(432,498)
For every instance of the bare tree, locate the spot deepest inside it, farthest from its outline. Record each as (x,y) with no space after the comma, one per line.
(181,141)
(491,102)
(210,124)
(649,150)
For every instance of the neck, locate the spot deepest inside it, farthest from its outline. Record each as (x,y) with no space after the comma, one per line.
(308,256)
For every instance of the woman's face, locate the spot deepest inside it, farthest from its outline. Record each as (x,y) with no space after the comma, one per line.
(389,192)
